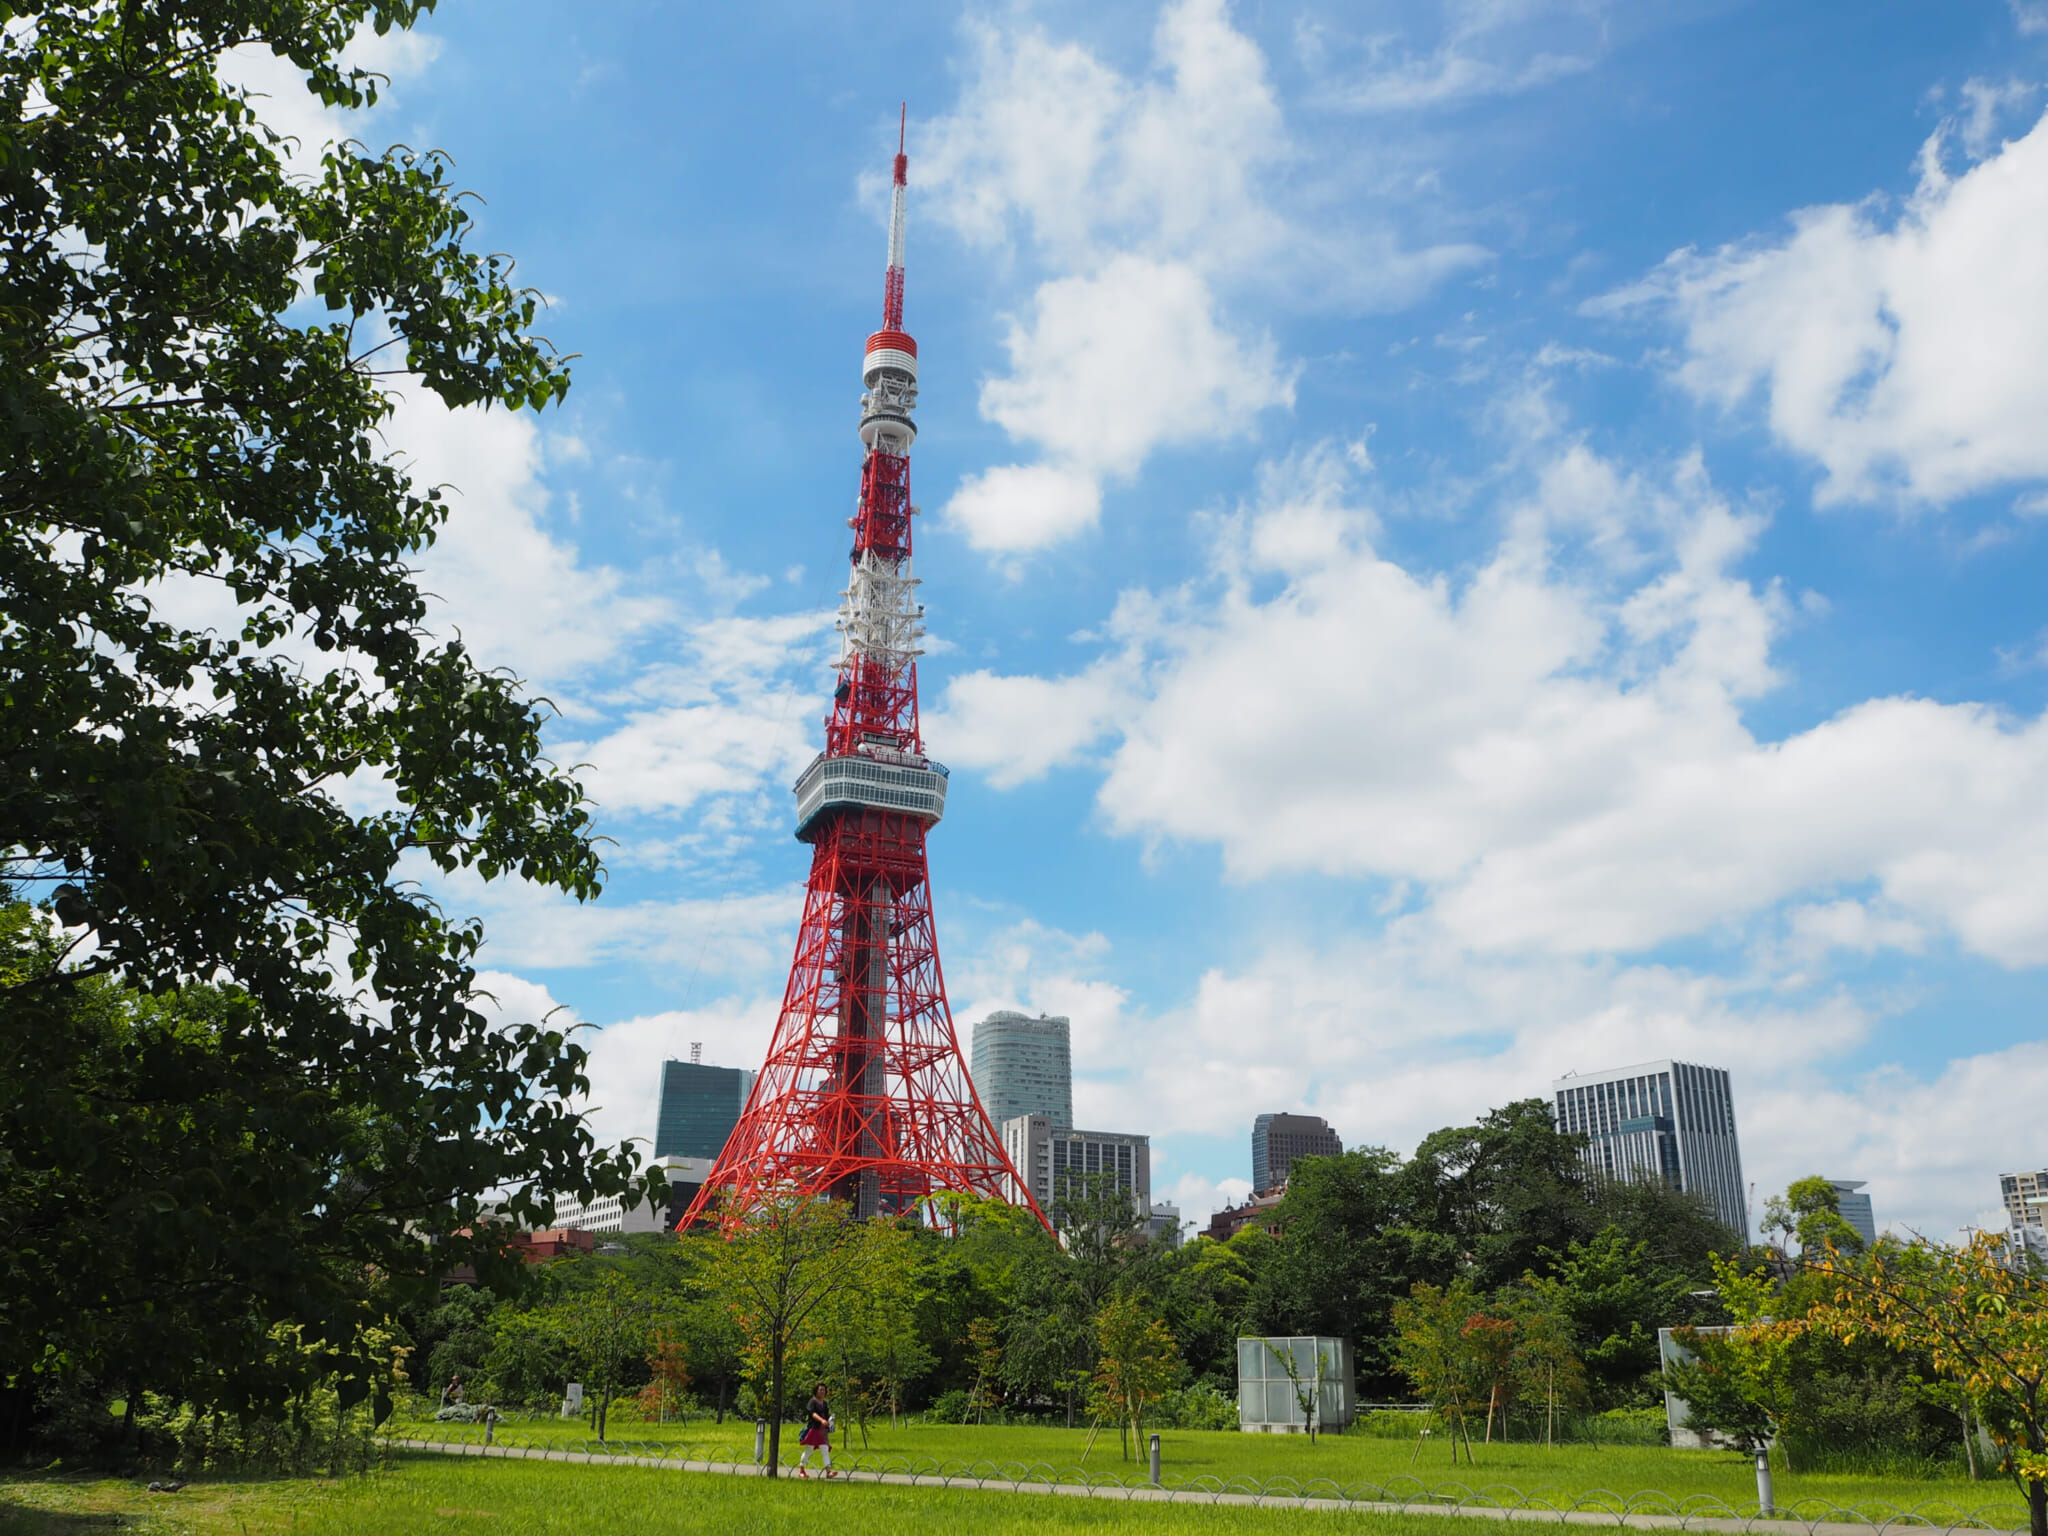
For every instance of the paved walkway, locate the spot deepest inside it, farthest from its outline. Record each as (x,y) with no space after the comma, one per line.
(1142,1494)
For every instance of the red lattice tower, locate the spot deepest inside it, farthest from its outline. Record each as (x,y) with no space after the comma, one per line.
(864,1096)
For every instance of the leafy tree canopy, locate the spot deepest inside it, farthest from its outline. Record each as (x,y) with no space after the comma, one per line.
(196,344)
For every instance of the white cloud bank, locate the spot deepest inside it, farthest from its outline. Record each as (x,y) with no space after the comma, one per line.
(1553,748)
(1901,351)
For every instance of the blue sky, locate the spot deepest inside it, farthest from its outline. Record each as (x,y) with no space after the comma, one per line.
(1463,541)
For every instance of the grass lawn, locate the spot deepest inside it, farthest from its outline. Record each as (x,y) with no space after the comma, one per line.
(1560,1475)
(451,1498)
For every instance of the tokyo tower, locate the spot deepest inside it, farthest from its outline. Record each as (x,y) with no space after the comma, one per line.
(864,1096)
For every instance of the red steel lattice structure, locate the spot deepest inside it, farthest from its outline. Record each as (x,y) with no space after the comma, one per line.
(864,1096)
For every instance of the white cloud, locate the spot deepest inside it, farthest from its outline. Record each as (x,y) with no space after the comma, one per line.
(739,937)
(1485,48)
(1199,1196)
(1017,728)
(1017,507)
(1853,925)
(1054,146)
(1987,104)
(520,596)
(1111,367)
(737,717)
(1903,354)
(1129,359)
(1394,1035)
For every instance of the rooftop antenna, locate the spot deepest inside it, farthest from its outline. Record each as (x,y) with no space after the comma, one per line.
(697,1050)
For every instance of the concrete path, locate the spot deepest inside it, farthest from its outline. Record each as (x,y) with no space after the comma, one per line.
(1142,1494)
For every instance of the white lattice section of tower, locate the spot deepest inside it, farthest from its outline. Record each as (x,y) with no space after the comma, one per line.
(879,615)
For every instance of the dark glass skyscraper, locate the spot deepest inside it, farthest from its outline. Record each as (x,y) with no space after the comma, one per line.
(699,1107)
(1277,1140)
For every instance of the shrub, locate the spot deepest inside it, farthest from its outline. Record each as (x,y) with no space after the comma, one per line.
(1198,1407)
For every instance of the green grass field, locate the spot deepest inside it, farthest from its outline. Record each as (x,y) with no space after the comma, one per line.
(1559,1475)
(494,1498)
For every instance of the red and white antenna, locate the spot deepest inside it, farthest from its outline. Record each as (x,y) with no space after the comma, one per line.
(892,284)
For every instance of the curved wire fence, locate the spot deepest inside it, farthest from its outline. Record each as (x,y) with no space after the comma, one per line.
(1402,1495)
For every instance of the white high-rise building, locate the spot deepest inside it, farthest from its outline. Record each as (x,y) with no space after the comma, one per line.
(1055,1159)
(2025,1196)
(1668,1120)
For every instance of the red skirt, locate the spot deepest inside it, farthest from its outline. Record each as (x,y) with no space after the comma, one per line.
(814,1434)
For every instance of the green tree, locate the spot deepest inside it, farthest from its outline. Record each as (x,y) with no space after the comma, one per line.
(1433,1348)
(454,1338)
(172,417)
(1503,1191)
(1744,1382)
(1679,1231)
(610,1327)
(1810,1211)
(1205,1295)
(866,1342)
(1615,1297)
(774,1275)
(1980,1313)
(1048,1338)
(1137,1363)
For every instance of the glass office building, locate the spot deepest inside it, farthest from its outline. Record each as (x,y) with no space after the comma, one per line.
(1668,1120)
(699,1107)
(1277,1140)
(1024,1066)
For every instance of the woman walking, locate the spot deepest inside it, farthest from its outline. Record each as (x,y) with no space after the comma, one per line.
(817,1433)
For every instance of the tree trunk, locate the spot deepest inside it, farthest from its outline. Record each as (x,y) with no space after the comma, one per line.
(2037,1508)
(775,1404)
(721,1396)
(1492,1398)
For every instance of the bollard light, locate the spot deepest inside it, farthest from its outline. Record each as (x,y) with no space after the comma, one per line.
(760,1440)
(1155,1461)
(1764,1504)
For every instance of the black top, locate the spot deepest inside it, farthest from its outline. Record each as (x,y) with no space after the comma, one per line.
(817,1409)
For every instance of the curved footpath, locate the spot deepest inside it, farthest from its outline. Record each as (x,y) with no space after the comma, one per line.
(1145,1493)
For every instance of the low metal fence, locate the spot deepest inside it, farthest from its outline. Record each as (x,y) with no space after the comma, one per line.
(1411,1495)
